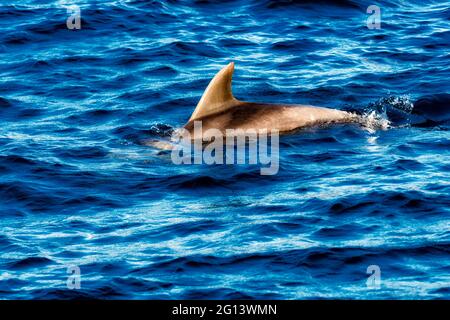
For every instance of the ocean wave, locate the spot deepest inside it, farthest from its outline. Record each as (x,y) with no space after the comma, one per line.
(81,184)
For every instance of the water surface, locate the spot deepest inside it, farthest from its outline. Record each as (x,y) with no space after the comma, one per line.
(79,187)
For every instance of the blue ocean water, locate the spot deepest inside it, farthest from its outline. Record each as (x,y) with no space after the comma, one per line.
(80,187)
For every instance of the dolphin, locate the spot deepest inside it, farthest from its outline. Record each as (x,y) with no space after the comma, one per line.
(219,109)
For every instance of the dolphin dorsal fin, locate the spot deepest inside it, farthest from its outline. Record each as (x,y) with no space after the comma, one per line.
(217,96)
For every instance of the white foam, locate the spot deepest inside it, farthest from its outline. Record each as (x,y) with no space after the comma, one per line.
(372,121)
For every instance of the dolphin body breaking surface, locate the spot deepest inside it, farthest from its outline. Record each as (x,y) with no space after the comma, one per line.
(219,109)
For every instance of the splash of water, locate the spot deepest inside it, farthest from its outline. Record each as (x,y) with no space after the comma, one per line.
(373,121)
(386,113)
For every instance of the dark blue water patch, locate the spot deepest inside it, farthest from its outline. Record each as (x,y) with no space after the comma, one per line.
(321,157)
(5,103)
(185,229)
(435,107)
(38,197)
(9,286)
(11,109)
(270,4)
(232,43)
(208,264)
(139,286)
(83,153)
(67,294)
(7,244)
(440,144)
(299,45)
(333,262)
(345,207)
(441,291)
(94,267)
(409,165)
(190,182)
(30,262)
(382,204)
(92,117)
(79,182)
(71,92)
(77,60)
(17,39)
(13,160)
(142,95)
(89,201)
(181,48)
(162,71)
(348,231)
(30,195)
(101,113)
